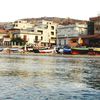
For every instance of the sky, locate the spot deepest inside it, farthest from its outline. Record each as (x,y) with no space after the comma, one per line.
(11,10)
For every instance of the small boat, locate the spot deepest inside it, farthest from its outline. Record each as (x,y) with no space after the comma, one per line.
(16,50)
(67,51)
(46,51)
(79,50)
(1,49)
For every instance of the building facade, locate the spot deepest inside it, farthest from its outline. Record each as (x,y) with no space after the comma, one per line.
(96,21)
(42,34)
(68,32)
(22,24)
(93,36)
(33,38)
(48,32)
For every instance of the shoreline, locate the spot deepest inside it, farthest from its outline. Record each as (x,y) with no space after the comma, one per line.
(52,54)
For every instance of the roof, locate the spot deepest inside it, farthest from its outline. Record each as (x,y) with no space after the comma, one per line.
(95,18)
(2,31)
(96,36)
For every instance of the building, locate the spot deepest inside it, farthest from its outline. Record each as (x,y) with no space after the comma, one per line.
(90,28)
(43,34)
(32,38)
(48,32)
(96,21)
(4,38)
(93,36)
(66,33)
(22,24)
(8,26)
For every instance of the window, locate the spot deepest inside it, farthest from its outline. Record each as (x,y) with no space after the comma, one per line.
(59,42)
(16,25)
(32,30)
(36,38)
(64,42)
(52,27)
(40,31)
(53,38)
(41,38)
(19,21)
(46,27)
(44,44)
(52,33)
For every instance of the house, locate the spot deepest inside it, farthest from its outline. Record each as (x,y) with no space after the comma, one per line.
(3,37)
(22,24)
(33,38)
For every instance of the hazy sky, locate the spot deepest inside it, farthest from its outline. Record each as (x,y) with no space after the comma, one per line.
(11,10)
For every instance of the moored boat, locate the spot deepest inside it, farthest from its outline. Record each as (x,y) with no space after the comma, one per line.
(46,51)
(67,51)
(1,49)
(97,51)
(79,50)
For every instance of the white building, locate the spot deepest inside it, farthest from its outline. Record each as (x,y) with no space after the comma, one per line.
(31,37)
(41,34)
(48,32)
(65,33)
(22,24)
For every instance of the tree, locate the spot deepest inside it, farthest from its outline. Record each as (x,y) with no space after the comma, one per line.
(18,41)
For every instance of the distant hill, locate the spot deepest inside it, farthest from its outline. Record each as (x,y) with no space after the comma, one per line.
(61,21)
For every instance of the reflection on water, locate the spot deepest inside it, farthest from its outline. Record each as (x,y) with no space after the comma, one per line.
(49,78)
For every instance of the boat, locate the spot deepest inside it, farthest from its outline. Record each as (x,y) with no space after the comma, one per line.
(16,50)
(79,50)
(1,49)
(66,51)
(96,51)
(46,51)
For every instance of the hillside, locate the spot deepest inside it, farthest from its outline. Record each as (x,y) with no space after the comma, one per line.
(62,21)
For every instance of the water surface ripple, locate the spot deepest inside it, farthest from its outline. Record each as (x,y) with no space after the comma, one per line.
(49,78)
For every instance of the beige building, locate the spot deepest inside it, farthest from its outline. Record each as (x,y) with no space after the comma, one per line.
(48,32)
(22,24)
(41,34)
(31,37)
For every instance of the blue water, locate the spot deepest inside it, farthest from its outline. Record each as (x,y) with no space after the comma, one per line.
(49,78)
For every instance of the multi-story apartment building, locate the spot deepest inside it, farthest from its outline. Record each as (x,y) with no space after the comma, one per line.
(48,32)
(66,33)
(22,24)
(41,34)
